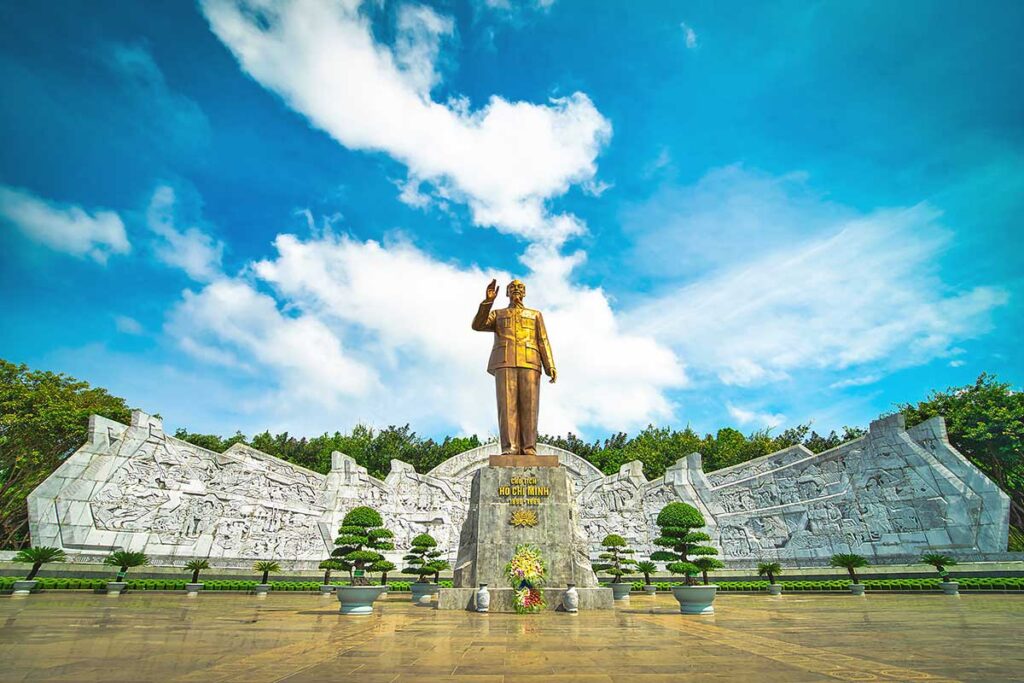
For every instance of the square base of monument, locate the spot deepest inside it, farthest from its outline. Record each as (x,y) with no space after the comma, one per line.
(523,461)
(502,599)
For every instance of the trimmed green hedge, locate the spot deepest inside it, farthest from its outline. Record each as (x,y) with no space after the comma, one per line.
(7,582)
(924,584)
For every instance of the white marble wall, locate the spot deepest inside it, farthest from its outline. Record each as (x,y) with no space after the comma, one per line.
(888,495)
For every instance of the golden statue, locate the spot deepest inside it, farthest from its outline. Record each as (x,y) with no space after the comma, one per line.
(520,351)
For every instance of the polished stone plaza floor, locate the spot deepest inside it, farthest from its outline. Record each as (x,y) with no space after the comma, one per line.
(300,637)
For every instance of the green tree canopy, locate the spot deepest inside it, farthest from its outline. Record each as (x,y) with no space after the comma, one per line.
(360,539)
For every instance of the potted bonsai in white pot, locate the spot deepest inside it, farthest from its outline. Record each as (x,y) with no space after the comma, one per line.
(195,566)
(360,539)
(38,556)
(265,567)
(770,569)
(125,560)
(678,523)
(424,561)
(329,565)
(647,568)
(850,562)
(616,558)
(940,562)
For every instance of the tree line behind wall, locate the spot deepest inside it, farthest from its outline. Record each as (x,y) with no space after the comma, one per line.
(44,418)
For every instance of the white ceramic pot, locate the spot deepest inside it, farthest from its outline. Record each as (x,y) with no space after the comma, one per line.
(620,591)
(115,587)
(423,592)
(357,600)
(774,589)
(24,587)
(857,588)
(262,588)
(571,599)
(326,589)
(483,598)
(950,588)
(193,587)
(695,599)
(650,589)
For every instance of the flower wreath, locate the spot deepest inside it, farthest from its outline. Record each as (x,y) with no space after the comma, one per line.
(526,573)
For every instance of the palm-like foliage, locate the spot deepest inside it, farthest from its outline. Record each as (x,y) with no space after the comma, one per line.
(616,557)
(678,523)
(424,559)
(849,562)
(707,564)
(126,559)
(939,561)
(38,556)
(646,568)
(266,566)
(361,536)
(383,566)
(769,569)
(195,566)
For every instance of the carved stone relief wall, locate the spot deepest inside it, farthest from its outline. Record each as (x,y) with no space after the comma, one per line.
(888,495)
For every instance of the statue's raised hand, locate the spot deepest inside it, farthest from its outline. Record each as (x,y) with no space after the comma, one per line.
(492,291)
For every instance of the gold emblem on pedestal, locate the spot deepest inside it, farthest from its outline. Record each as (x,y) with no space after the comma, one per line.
(523,517)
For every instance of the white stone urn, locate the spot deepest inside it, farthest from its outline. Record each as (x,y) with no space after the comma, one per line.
(116,587)
(357,600)
(620,590)
(695,599)
(483,598)
(423,592)
(571,598)
(857,588)
(950,588)
(24,587)
(650,589)
(262,588)
(774,589)
(193,588)
(326,590)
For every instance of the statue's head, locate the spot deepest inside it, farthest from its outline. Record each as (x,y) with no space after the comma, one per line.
(516,291)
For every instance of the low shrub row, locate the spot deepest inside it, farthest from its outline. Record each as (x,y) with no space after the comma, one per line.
(929,584)
(49,583)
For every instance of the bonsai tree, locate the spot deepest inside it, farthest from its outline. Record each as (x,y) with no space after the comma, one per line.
(196,566)
(424,559)
(383,566)
(361,536)
(125,560)
(940,562)
(769,569)
(332,564)
(678,523)
(266,566)
(38,556)
(646,568)
(849,562)
(616,555)
(707,564)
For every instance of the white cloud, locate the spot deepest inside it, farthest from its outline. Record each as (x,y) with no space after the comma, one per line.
(864,293)
(231,323)
(860,381)
(127,325)
(957,363)
(745,417)
(689,35)
(403,318)
(64,227)
(505,160)
(190,249)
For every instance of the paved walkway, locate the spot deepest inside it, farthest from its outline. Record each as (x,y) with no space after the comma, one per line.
(300,637)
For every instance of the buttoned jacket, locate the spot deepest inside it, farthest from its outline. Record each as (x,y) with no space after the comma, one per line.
(520,339)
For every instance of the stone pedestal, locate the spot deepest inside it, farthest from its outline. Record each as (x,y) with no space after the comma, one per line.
(510,506)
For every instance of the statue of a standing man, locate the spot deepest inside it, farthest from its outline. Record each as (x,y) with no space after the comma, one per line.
(520,350)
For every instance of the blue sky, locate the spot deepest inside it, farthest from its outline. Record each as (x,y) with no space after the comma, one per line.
(282,215)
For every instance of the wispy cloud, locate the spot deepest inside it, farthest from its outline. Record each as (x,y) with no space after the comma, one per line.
(64,227)
(689,36)
(761,419)
(190,249)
